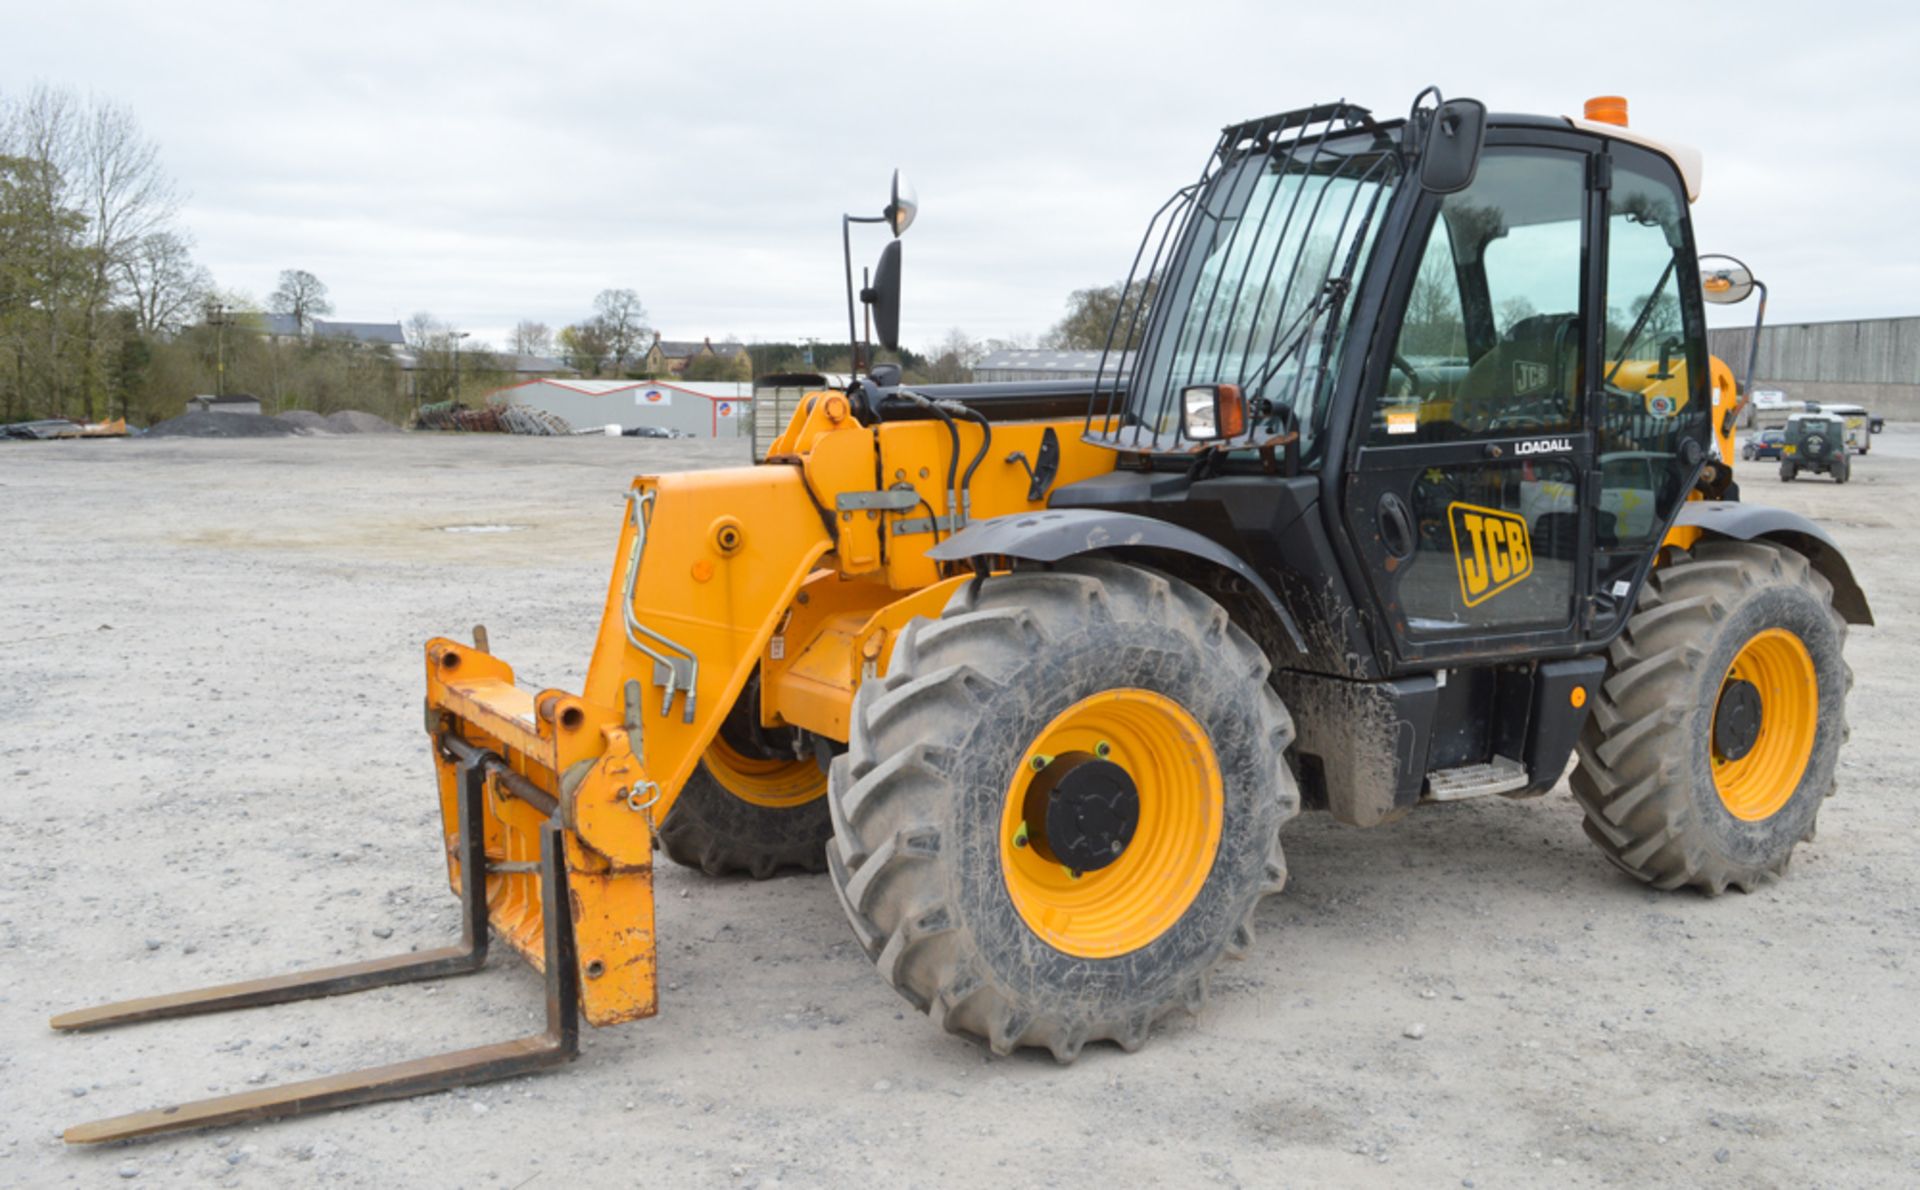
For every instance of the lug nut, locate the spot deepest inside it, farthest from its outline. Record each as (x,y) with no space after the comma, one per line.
(1102,748)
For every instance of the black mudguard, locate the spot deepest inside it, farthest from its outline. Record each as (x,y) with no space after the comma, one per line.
(1058,534)
(1757,522)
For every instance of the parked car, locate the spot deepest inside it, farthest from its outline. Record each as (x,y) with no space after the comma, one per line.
(648,432)
(1764,445)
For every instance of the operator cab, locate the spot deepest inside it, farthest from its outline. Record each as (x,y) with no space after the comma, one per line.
(1494,389)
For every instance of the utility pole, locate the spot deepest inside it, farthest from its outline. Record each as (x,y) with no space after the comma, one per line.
(218,319)
(456,336)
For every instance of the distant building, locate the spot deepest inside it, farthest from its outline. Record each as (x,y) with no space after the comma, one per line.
(231,403)
(671,356)
(700,409)
(373,334)
(1873,362)
(1003,366)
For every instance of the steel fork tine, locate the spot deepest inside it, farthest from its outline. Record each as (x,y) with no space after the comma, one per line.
(559,1043)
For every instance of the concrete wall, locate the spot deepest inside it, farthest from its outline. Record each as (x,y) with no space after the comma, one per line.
(1874,362)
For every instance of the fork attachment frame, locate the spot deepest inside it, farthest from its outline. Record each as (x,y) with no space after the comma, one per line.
(559,1043)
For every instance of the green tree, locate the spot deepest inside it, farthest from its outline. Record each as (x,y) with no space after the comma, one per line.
(1091,316)
(584,346)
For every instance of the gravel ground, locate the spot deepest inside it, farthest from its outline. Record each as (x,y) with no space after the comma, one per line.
(210,722)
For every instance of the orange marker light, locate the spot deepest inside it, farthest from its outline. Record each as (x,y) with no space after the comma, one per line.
(1578,698)
(1608,109)
(1233,411)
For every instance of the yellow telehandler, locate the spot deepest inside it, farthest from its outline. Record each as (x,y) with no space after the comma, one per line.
(1408,480)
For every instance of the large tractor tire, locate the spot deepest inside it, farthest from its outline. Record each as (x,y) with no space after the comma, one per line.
(1060,806)
(1714,739)
(751,807)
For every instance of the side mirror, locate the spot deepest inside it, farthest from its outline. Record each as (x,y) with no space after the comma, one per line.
(902,206)
(1724,281)
(1212,412)
(1451,156)
(884,296)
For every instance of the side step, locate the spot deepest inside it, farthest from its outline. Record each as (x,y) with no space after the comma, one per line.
(508,1059)
(1499,775)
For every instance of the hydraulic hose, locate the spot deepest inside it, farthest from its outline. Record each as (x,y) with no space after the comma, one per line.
(986,444)
(953,459)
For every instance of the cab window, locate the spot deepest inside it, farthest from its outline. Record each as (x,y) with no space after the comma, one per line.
(1654,374)
(1489,345)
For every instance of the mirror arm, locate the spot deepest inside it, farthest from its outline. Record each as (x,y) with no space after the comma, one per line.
(846,250)
(1753,348)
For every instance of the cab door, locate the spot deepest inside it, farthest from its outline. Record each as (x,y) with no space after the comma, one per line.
(1468,485)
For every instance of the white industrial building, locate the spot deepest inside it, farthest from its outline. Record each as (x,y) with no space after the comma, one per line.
(701,409)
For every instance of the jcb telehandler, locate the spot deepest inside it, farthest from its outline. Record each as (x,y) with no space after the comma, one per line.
(1406,477)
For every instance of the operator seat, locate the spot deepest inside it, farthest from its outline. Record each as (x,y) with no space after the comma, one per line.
(1521,378)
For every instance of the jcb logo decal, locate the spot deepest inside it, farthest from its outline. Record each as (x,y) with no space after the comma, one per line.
(1491,550)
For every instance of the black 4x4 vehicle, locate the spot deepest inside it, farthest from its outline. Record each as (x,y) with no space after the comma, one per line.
(1815,442)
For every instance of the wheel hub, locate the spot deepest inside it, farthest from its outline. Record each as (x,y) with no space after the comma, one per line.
(1110,822)
(1087,809)
(1766,721)
(1736,721)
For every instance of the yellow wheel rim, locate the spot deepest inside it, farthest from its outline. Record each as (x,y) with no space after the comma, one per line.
(1755,785)
(1137,897)
(775,784)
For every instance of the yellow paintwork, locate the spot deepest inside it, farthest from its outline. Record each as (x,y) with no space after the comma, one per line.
(1727,400)
(1122,907)
(747,567)
(1754,787)
(542,737)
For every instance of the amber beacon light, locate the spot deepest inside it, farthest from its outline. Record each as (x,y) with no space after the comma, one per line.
(1608,109)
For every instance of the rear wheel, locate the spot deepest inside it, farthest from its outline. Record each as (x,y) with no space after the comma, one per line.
(1842,468)
(751,806)
(1716,733)
(1061,805)
(1787,471)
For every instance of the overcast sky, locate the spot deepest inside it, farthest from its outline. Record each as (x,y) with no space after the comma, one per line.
(489,161)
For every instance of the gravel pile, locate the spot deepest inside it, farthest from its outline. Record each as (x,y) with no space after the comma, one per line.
(352,421)
(224,425)
(308,420)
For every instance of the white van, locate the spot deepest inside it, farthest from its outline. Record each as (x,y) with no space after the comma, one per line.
(1859,424)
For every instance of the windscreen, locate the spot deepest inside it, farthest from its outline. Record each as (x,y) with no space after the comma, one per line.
(1249,283)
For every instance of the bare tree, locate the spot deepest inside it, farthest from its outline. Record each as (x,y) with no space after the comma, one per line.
(532,338)
(622,322)
(422,330)
(301,295)
(954,359)
(166,287)
(127,197)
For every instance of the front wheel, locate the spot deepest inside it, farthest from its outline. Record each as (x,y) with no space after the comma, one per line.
(1060,806)
(751,807)
(1717,730)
